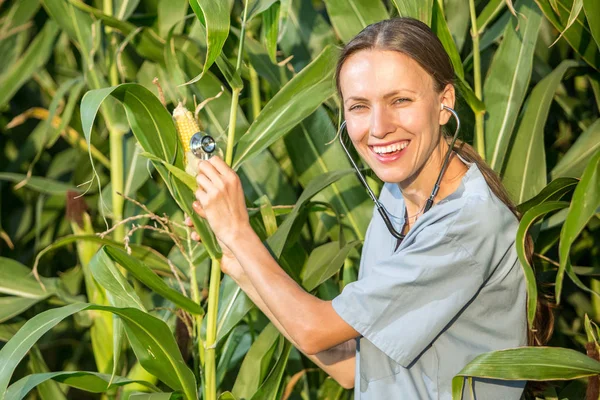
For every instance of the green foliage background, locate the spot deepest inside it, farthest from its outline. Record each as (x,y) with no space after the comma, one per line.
(91,307)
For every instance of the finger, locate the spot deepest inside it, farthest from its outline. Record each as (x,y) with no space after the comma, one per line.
(205,186)
(195,236)
(219,165)
(208,170)
(188,221)
(198,209)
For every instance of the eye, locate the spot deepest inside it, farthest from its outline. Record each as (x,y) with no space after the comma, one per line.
(356,107)
(402,100)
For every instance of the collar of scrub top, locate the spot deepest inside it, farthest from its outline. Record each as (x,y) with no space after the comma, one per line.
(380,207)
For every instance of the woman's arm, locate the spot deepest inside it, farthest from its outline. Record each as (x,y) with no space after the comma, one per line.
(338,362)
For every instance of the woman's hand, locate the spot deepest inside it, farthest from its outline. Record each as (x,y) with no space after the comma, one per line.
(229,263)
(221,200)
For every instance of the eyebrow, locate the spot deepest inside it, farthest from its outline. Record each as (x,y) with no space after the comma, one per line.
(385,96)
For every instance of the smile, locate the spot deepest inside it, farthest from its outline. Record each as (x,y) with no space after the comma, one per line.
(389,152)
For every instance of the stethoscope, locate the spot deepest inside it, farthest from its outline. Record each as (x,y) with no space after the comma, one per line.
(380,207)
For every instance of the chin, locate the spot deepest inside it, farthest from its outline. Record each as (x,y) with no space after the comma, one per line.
(390,176)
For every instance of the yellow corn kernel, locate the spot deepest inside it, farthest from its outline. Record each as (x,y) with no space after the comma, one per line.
(186,125)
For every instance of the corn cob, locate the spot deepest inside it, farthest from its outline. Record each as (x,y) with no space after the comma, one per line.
(187,126)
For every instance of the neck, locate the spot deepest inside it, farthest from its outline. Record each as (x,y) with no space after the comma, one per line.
(417,189)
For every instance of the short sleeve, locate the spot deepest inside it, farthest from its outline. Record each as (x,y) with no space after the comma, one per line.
(409,297)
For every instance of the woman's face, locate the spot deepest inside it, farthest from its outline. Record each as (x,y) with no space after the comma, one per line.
(392,112)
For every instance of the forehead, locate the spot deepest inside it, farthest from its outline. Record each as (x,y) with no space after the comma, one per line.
(368,73)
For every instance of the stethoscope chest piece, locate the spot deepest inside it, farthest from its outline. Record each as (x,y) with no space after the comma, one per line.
(202,145)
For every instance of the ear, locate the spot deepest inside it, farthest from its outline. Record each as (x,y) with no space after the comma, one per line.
(447,98)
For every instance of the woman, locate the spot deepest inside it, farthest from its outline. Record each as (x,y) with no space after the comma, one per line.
(424,306)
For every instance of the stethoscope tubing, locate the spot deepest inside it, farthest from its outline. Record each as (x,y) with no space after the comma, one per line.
(380,207)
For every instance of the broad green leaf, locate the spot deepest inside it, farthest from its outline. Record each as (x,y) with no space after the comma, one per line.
(84,380)
(150,339)
(491,10)
(150,279)
(592,12)
(48,390)
(227,396)
(124,8)
(256,7)
(528,363)
(36,56)
(119,292)
(440,28)
(256,363)
(525,172)
(578,35)
(178,173)
(554,191)
(236,345)
(349,17)
(270,30)
(278,240)
(147,255)
(214,15)
(294,102)
(530,217)
(584,206)
(153,396)
(270,387)
(11,306)
(18,280)
(305,33)
(39,184)
(577,157)
(169,14)
(419,9)
(507,81)
(324,262)
(234,304)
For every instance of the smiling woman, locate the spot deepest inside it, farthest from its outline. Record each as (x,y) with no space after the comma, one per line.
(425,306)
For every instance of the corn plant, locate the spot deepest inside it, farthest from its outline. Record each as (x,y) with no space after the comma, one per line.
(103,290)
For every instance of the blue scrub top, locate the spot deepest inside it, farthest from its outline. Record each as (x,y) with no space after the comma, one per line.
(452,290)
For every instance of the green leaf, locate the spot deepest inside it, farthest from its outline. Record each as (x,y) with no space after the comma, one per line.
(36,56)
(40,184)
(270,30)
(440,28)
(507,81)
(525,173)
(147,255)
(491,10)
(592,12)
(150,339)
(17,280)
(153,396)
(554,191)
(214,15)
(578,35)
(233,307)
(11,306)
(419,9)
(528,363)
(527,220)
(169,14)
(575,10)
(324,262)
(85,380)
(180,174)
(349,17)
(278,240)
(124,8)
(294,102)
(119,291)
(270,387)
(584,205)
(577,157)
(256,363)
(150,279)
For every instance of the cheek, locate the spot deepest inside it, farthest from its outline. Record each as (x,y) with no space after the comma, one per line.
(357,129)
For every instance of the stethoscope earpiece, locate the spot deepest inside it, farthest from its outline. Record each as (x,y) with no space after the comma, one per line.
(382,211)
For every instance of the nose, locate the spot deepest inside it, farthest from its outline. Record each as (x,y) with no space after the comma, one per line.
(382,122)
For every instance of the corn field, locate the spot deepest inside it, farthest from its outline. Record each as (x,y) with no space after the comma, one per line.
(103,293)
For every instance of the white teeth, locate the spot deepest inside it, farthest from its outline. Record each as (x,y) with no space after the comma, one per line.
(391,148)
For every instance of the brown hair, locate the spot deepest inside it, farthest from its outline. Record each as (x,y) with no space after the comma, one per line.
(416,40)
